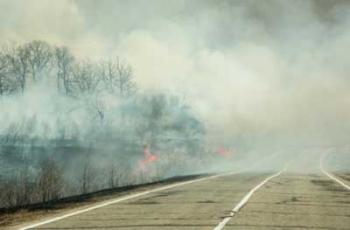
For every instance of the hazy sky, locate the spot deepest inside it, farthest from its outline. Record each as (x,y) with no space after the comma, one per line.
(245,66)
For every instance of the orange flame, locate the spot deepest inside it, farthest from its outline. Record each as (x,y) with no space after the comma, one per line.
(149,158)
(223,151)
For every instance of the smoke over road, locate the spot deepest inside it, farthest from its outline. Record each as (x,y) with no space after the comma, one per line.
(252,77)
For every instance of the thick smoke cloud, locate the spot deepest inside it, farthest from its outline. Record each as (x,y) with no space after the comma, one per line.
(136,91)
(247,67)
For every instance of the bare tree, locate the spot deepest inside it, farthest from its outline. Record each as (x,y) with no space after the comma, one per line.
(50,180)
(88,175)
(18,57)
(86,81)
(7,84)
(97,107)
(64,61)
(22,67)
(118,78)
(114,176)
(39,57)
(85,78)
(23,185)
(8,191)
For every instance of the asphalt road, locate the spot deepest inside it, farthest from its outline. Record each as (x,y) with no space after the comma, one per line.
(291,200)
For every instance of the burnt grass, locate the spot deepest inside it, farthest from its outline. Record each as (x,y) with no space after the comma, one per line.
(84,198)
(328,185)
(291,200)
(206,202)
(344,176)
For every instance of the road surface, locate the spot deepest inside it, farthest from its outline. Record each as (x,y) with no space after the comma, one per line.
(269,197)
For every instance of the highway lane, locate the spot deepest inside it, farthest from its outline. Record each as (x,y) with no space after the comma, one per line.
(199,205)
(297,201)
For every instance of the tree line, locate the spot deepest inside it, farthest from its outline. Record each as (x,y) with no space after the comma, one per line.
(24,64)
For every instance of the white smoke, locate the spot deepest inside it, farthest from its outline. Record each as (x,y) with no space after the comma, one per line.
(247,67)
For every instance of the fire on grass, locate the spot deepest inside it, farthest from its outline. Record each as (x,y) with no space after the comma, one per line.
(149,159)
(224,152)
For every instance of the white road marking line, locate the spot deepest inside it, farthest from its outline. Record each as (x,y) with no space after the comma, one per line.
(120,200)
(330,175)
(139,194)
(245,199)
